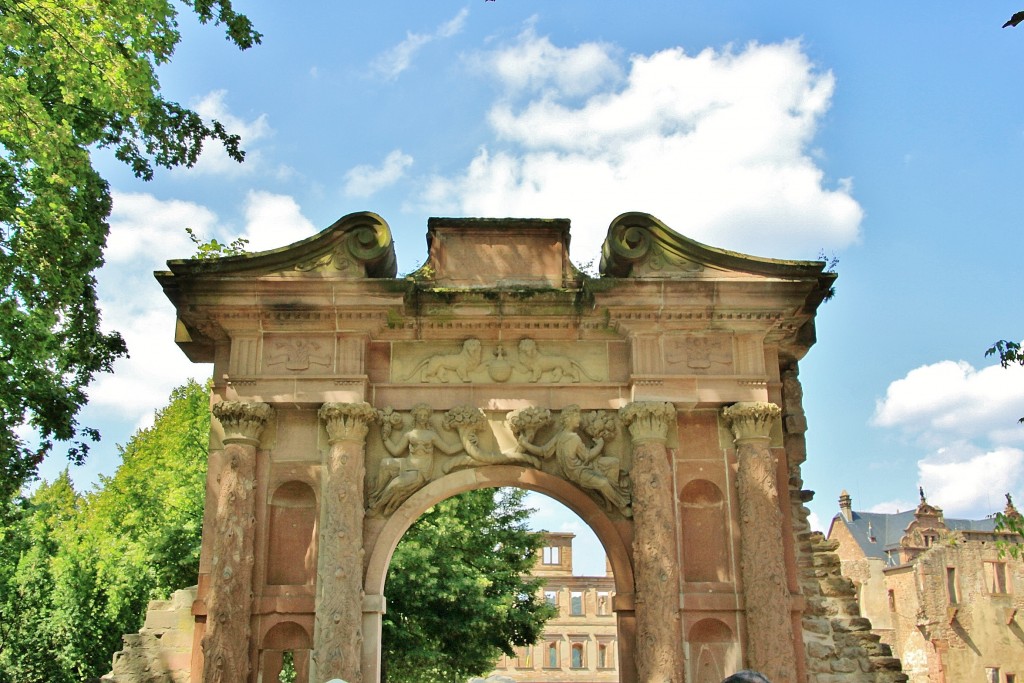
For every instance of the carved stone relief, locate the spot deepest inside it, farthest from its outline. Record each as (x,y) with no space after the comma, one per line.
(411,464)
(530,362)
(296,355)
(700,355)
(419,448)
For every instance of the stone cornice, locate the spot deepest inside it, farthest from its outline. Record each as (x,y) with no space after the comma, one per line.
(347,421)
(648,420)
(355,246)
(243,422)
(751,420)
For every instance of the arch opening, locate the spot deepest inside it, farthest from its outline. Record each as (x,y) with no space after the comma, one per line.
(557,646)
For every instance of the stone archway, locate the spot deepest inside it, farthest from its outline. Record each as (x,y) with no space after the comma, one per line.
(383,540)
(347,399)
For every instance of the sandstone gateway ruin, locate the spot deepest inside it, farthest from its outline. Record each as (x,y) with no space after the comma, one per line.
(659,401)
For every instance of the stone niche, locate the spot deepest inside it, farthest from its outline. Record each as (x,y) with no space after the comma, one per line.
(659,401)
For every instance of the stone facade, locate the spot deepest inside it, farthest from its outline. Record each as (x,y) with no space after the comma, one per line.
(660,402)
(937,590)
(579,644)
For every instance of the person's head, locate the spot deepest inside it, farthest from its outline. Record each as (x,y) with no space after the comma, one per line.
(747,676)
(570,417)
(421,413)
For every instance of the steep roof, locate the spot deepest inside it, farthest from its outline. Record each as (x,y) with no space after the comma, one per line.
(887,529)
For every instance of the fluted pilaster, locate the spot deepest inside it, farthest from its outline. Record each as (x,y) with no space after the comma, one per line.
(339,591)
(229,601)
(767,596)
(658,640)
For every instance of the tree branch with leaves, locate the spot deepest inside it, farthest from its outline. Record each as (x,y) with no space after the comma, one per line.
(76,76)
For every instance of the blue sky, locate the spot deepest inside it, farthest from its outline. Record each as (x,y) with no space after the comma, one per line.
(890,135)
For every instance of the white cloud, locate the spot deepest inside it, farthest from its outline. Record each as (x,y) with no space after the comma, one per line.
(717,145)
(214,160)
(144,227)
(965,481)
(366,180)
(145,232)
(967,419)
(535,64)
(815,522)
(273,221)
(390,64)
(952,400)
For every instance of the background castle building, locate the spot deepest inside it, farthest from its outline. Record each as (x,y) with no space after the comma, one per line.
(937,590)
(579,642)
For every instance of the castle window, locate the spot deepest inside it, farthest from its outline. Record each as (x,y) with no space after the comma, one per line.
(992,674)
(578,659)
(551,555)
(576,603)
(523,658)
(604,656)
(604,599)
(951,587)
(995,577)
(1011,678)
(551,597)
(892,600)
(551,655)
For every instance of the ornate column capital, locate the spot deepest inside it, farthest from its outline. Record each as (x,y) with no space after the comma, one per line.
(648,420)
(243,422)
(751,420)
(347,421)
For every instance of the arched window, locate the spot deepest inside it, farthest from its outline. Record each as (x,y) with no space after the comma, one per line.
(578,660)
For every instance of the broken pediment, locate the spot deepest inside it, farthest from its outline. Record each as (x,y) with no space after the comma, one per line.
(639,245)
(358,245)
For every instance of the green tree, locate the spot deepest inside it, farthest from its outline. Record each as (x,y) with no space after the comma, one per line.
(458,591)
(76,572)
(76,76)
(1009,353)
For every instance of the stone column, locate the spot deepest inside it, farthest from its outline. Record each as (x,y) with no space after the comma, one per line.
(655,557)
(766,591)
(229,602)
(338,639)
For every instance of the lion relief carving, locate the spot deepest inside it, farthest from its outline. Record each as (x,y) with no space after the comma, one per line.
(440,367)
(551,367)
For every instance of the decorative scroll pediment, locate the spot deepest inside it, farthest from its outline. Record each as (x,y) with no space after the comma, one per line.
(638,245)
(356,246)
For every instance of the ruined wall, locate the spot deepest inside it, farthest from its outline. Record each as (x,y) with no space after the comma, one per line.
(161,652)
(972,630)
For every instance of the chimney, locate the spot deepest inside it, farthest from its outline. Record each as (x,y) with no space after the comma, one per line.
(846,506)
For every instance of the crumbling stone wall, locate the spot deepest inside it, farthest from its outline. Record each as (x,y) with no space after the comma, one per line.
(161,652)
(838,642)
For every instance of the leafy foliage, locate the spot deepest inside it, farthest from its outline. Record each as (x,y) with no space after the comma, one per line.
(1009,354)
(458,594)
(74,76)
(214,249)
(1017,18)
(77,571)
